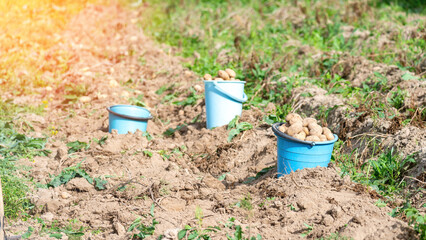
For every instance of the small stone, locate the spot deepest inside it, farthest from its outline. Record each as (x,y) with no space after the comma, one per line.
(53,205)
(230,178)
(198,88)
(278,204)
(113,83)
(49,88)
(213,182)
(101,96)
(188,73)
(119,228)
(48,216)
(181,113)
(85,99)
(125,94)
(218,197)
(188,186)
(171,234)
(327,220)
(65,195)
(79,184)
(61,153)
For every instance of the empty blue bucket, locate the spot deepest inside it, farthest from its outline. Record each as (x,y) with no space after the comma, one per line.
(128,118)
(294,154)
(224,100)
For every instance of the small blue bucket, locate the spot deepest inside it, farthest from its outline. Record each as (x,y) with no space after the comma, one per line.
(128,118)
(224,100)
(294,154)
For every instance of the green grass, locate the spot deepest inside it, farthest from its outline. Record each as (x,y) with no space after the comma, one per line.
(267,40)
(15,146)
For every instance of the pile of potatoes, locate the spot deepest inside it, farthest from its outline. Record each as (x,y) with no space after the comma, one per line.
(222,75)
(305,129)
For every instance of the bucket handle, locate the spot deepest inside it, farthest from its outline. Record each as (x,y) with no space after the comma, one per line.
(241,100)
(283,135)
(128,117)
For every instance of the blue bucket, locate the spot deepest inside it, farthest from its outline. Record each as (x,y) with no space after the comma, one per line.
(128,118)
(224,100)
(294,154)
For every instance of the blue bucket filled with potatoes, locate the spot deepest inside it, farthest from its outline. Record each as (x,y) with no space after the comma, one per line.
(302,143)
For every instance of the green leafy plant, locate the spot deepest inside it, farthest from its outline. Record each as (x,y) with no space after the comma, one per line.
(28,233)
(14,146)
(191,100)
(171,131)
(397,98)
(199,232)
(147,153)
(238,234)
(190,233)
(417,220)
(278,114)
(147,135)
(99,141)
(73,91)
(73,230)
(137,101)
(388,171)
(236,128)
(414,217)
(308,230)
(100,183)
(77,146)
(259,174)
(144,230)
(69,173)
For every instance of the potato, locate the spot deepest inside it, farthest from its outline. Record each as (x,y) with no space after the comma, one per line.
(282,128)
(306,121)
(295,119)
(218,79)
(295,129)
(312,138)
(313,125)
(306,130)
(329,136)
(289,117)
(231,73)
(207,77)
(198,88)
(316,131)
(300,136)
(224,75)
(323,138)
(325,130)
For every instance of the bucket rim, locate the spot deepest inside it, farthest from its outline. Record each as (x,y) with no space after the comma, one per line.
(224,81)
(283,135)
(109,109)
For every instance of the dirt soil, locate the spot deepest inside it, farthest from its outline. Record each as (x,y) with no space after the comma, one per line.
(182,174)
